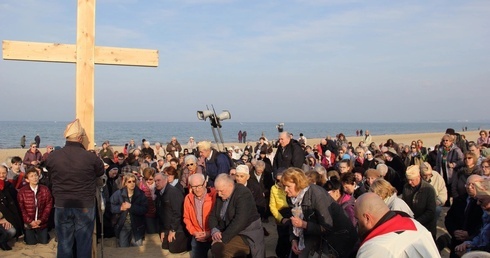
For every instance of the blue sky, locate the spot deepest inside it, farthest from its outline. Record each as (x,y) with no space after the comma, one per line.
(295,61)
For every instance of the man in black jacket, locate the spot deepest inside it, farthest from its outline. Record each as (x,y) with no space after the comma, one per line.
(73,171)
(289,153)
(169,205)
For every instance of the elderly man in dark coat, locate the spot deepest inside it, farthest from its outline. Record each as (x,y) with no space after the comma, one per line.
(236,228)
(289,153)
(421,198)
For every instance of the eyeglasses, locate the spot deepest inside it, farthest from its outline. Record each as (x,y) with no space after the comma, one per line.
(130,181)
(485,166)
(445,140)
(190,164)
(197,187)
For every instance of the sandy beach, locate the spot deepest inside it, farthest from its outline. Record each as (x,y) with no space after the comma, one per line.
(151,247)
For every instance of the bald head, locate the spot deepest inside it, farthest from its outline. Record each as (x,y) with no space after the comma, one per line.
(371,203)
(369,209)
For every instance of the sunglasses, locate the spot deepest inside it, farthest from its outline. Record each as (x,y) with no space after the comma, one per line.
(190,164)
(130,181)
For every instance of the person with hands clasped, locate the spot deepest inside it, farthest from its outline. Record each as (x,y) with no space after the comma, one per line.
(129,206)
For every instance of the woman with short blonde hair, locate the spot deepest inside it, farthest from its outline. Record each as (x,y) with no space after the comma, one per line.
(387,192)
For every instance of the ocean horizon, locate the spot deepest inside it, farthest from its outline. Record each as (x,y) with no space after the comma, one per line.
(119,133)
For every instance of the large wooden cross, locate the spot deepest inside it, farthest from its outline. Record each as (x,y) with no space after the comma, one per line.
(85,54)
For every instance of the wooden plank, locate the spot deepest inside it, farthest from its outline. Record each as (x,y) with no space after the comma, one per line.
(126,56)
(66,53)
(85,67)
(35,51)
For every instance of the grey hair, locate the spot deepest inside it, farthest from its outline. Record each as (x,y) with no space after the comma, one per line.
(200,176)
(190,157)
(260,164)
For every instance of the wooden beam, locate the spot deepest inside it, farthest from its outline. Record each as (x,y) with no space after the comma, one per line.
(67,53)
(85,68)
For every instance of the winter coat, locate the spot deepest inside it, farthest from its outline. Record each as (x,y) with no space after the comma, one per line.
(27,204)
(292,155)
(69,169)
(327,221)
(454,155)
(137,211)
(190,216)
(422,200)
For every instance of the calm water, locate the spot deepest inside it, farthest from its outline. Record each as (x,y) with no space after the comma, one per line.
(119,133)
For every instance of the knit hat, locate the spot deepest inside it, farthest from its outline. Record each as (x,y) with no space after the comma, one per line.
(413,171)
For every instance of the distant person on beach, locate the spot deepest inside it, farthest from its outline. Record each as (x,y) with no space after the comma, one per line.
(49,149)
(240,135)
(33,156)
(174,147)
(357,132)
(191,145)
(37,139)
(147,150)
(23,141)
(288,154)
(302,140)
(360,132)
(159,151)
(261,147)
(131,146)
(105,152)
(244,136)
(367,138)
(73,172)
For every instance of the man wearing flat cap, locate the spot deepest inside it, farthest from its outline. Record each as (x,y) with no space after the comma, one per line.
(73,172)
(421,198)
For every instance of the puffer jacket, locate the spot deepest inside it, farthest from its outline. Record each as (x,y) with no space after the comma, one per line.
(27,204)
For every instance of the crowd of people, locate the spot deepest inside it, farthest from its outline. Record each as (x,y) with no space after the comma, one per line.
(332,197)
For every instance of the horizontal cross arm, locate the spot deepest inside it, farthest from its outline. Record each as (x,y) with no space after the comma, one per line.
(66,53)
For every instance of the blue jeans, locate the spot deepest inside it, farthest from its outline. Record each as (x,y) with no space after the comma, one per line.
(74,224)
(199,249)
(126,238)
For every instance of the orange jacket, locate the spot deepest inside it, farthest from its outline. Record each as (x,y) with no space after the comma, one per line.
(190,218)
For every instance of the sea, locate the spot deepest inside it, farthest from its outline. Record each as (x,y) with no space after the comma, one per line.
(119,133)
